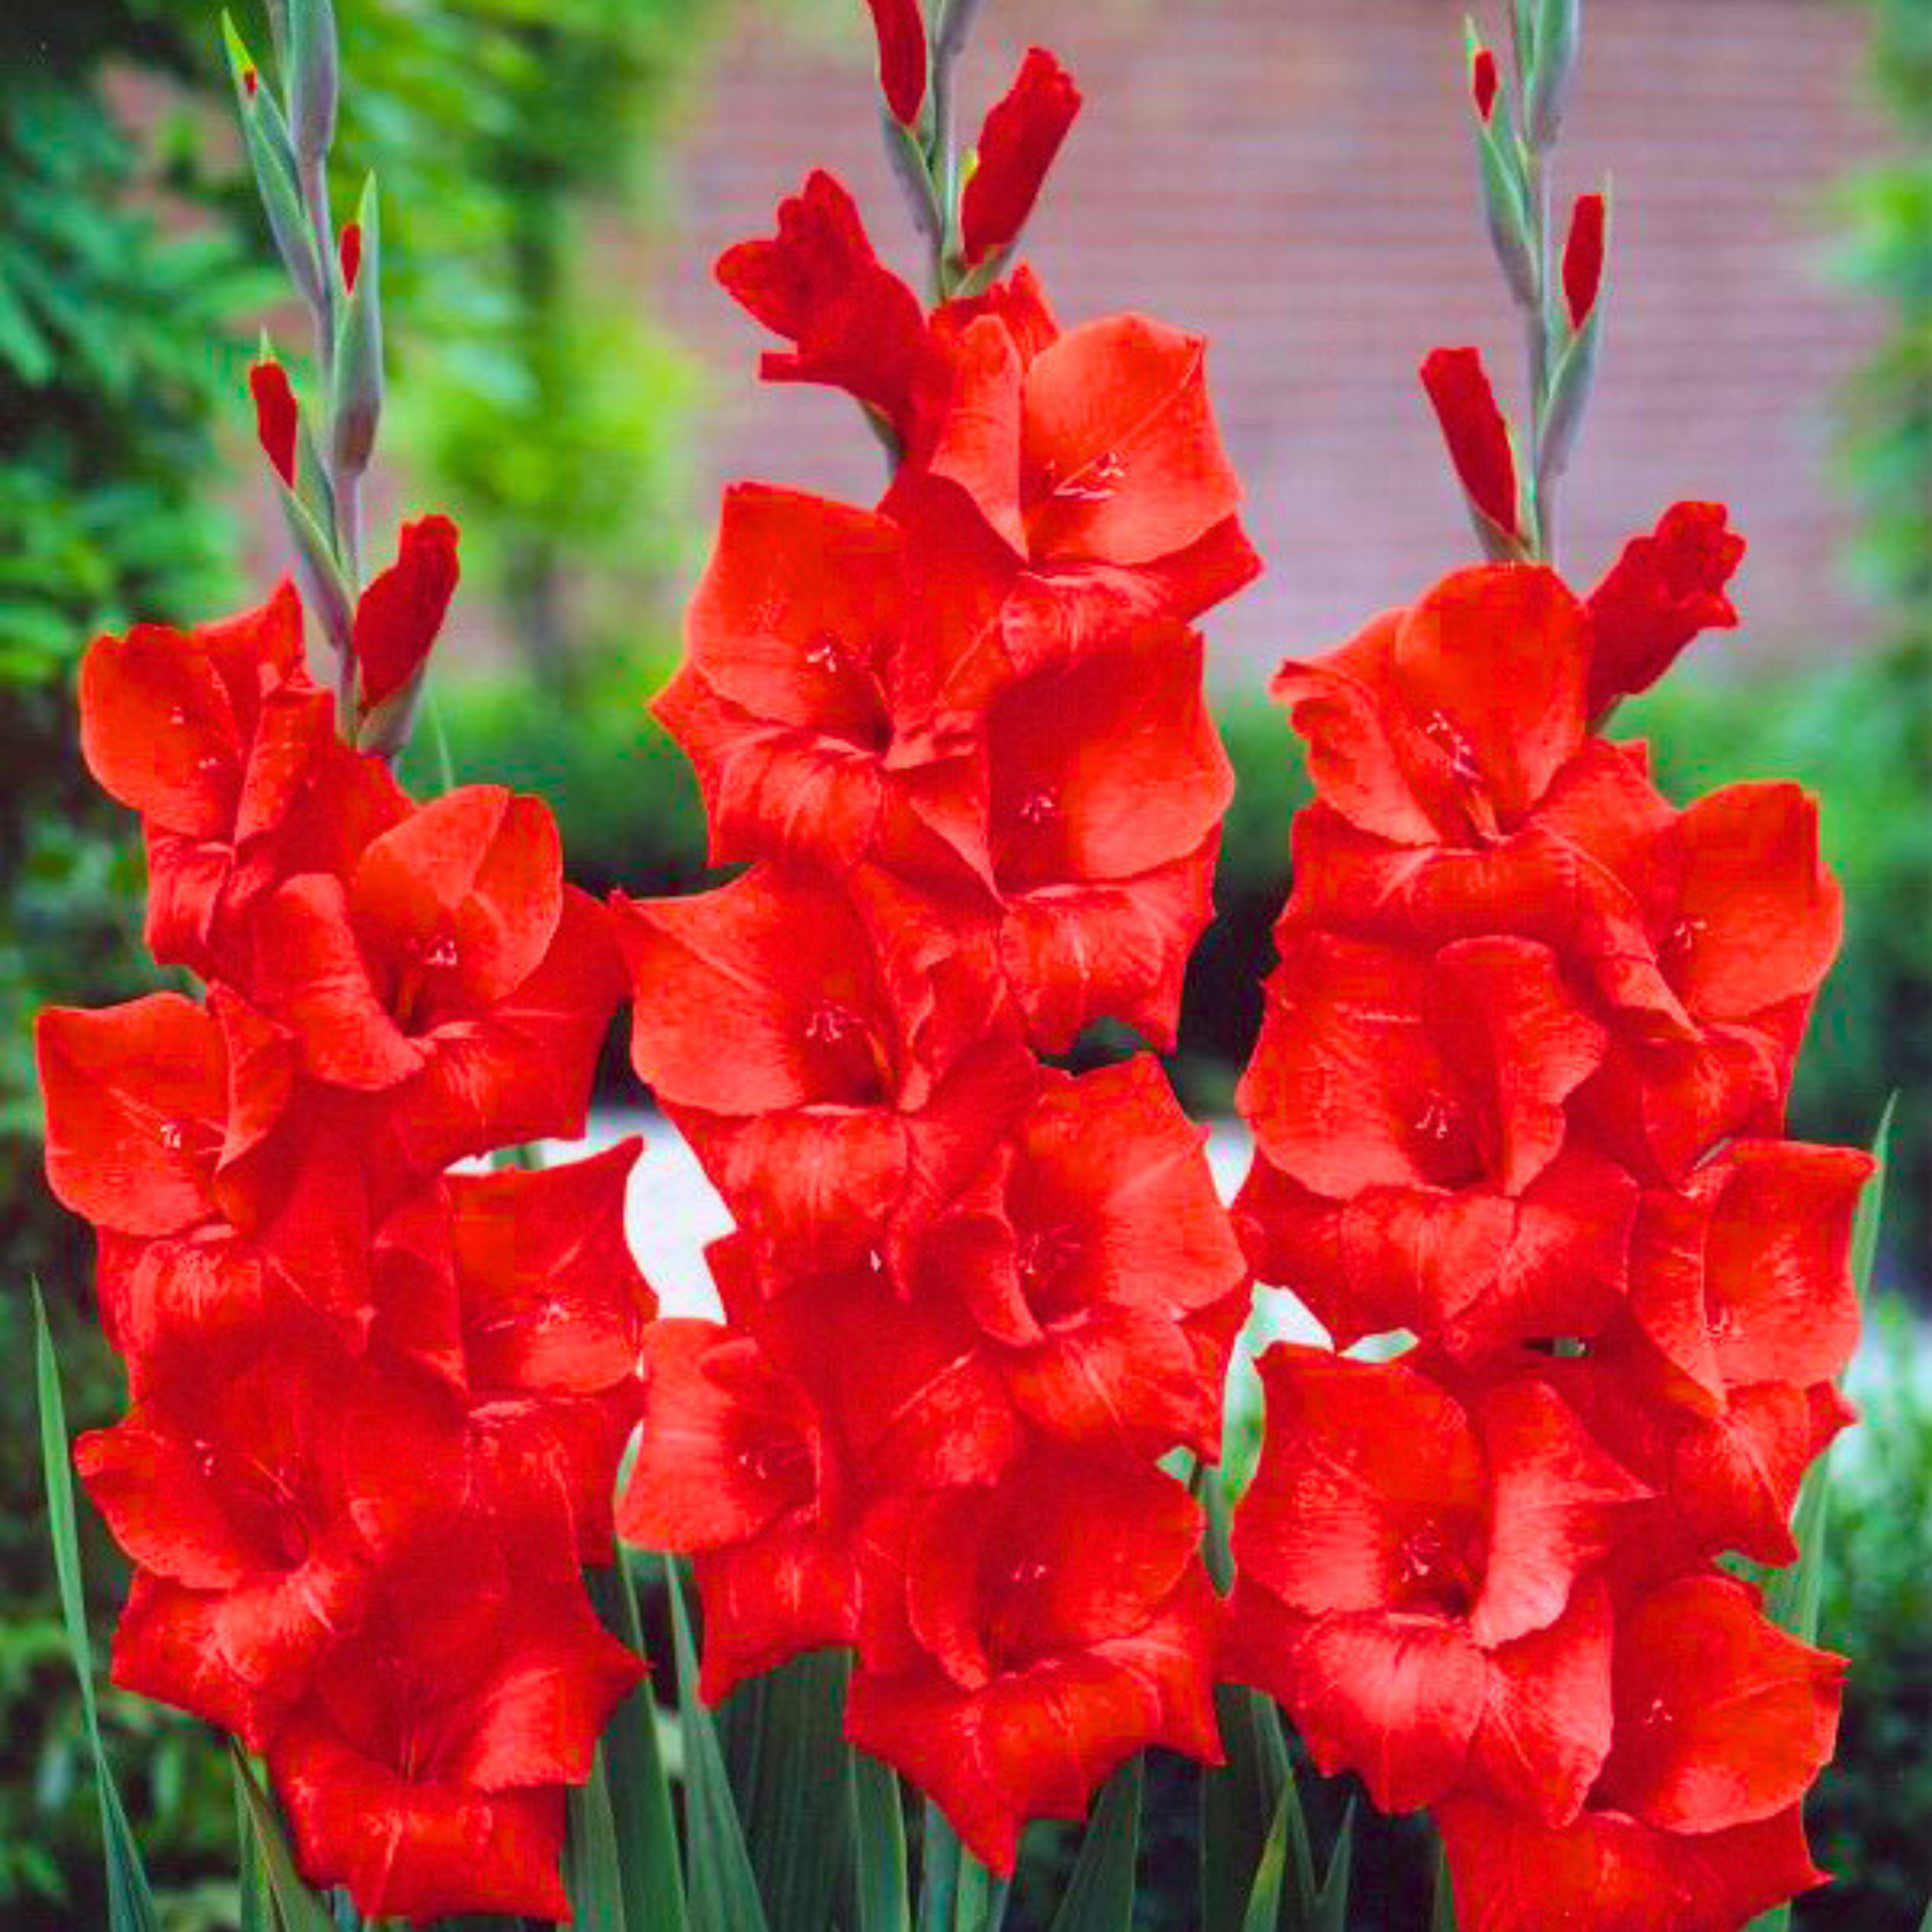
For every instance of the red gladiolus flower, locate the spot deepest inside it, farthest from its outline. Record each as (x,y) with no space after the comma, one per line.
(1474,428)
(1449,721)
(805,699)
(1743,920)
(275,1491)
(1095,1252)
(276,416)
(1412,1167)
(1721,1722)
(901,38)
(402,609)
(1583,258)
(1422,1609)
(425,1772)
(1105,862)
(222,1210)
(1065,1623)
(1659,595)
(1022,135)
(218,737)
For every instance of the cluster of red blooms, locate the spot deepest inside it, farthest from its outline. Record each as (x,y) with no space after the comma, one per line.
(1519,1094)
(960,740)
(376,1406)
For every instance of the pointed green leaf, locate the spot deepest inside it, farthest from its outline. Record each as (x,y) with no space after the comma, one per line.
(1238,1805)
(590,1874)
(940,1855)
(1871,1204)
(297,1908)
(1331,1902)
(1442,1912)
(639,1792)
(723,1895)
(131,1903)
(1100,1894)
(314,75)
(1263,1912)
(878,1846)
(783,1735)
(980,1903)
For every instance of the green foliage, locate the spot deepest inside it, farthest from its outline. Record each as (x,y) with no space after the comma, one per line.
(1871,1815)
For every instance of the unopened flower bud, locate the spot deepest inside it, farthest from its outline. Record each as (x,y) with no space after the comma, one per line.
(314,78)
(357,403)
(402,610)
(1022,133)
(1583,258)
(1552,69)
(1483,83)
(1477,435)
(901,37)
(276,416)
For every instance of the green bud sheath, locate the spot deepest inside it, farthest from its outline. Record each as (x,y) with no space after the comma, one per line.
(314,77)
(357,404)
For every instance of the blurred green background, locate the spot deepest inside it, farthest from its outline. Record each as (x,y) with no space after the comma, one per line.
(535,396)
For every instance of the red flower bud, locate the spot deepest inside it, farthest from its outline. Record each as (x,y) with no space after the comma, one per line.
(1659,594)
(251,81)
(402,609)
(1483,82)
(1474,428)
(351,252)
(1583,258)
(901,35)
(276,416)
(1022,134)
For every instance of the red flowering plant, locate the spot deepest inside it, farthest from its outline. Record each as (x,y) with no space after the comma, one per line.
(944,1474)
(1518,1100)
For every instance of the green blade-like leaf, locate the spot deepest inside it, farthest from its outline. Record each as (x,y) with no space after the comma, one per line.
(940,1856)
(639,1792)
(1331,1902)
(1925,1919)
(723,1895)
(783,1735)
(1100,1894)
(878,1847)
(130,1902)
(1871,1204)
(297,1908)
(257,1913)
(1238,1805)
(1442,1911)
(980,1903)
(591,1877)
(1262,1912)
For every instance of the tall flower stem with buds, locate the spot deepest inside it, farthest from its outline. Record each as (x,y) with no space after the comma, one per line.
(1517,123)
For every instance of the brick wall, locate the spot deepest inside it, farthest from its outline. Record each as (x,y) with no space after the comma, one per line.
(1294,179)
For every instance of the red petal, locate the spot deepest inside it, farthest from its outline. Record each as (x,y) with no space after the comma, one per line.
(1546,1724)
(1396,1699)
(551,1298)
(1123,462)
(136,1097)
(1072,954)
(1141,783)
(1357,1458)
(158,729)
(478,870)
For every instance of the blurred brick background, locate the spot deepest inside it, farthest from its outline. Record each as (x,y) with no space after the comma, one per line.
(1295,180)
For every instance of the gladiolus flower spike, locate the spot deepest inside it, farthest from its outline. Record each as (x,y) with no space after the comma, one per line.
(1519,1094)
